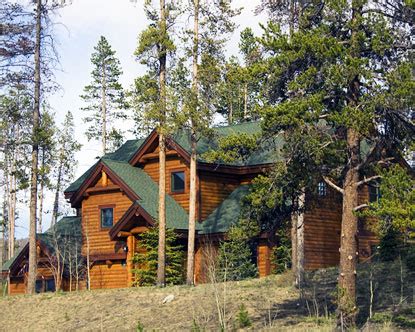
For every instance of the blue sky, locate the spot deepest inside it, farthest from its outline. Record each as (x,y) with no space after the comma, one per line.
(79,27)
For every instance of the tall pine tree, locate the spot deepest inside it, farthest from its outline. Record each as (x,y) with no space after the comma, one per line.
(66,147)
(104,97)
(154,48)
(349,64)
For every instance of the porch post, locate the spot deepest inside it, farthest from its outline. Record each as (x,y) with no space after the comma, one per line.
(130,254)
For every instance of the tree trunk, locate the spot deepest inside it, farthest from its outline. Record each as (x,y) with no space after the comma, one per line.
(41,193)
(104,109)
(55,211)
(192,216)
(193,156)
(348,245)
(300,243)
(347,309)
(245,101)
(294,219)
(161,265)
(31,283)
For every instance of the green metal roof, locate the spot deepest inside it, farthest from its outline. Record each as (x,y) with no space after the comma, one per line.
(124,153)
(227,213)
(68,227)
(145,188)
(267,149)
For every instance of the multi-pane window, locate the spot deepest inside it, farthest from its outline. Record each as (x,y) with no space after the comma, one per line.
(322,188)
(107,217)
(374,193)
(177,182)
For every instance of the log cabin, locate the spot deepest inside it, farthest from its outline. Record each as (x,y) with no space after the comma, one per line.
(117,199)
(58,254)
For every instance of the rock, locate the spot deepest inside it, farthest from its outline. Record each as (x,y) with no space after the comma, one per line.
(168,298)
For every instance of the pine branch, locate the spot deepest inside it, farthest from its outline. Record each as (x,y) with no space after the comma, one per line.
(367,180)
(333,185)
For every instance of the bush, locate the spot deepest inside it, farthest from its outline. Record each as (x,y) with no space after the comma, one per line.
(145,260)
(281,254)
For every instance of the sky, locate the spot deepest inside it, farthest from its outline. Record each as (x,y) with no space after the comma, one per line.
(77,30)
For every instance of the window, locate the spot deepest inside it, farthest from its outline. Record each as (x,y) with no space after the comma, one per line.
(374,193)
(50,285)
(322,189)
(177,182)
(107,216)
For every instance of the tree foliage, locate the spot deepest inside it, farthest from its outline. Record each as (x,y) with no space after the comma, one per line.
(145,259)
(104,97)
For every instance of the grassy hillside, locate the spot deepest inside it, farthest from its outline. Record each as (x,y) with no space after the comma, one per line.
(270,304)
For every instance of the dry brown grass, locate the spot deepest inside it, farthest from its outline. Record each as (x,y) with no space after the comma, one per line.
(271,303)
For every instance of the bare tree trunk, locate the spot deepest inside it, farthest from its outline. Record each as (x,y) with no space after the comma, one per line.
(161,264)
(348,243)
(31,283)
(230,114)
(12,187)
(245,101)
(41,194)
(294,223)
(193,156)
(55,211)
(300,242)
(104,110)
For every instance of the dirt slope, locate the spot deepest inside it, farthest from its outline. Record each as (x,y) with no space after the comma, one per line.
(271,304)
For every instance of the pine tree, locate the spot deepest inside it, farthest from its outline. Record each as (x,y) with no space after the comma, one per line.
(154,48)
(146,259)
(239,88)
(204,44)
(66,148)
(235,254)
(333,68)
(104,97)
(47,151)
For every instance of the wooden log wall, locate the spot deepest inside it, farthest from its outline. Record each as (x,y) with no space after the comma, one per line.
(173,164)
(322,231)
(264,258)
(99,241)
(109,275)
(214,188)
(17,286)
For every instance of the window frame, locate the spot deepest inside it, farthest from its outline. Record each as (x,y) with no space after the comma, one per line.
(376,187)
(322,189)
(103,207)
(178,192)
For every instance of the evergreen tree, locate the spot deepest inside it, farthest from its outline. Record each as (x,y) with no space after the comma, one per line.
(204,45)
(145,260)
(105,97)
(14,128)
(239,88)
(67,146)
(47,152)
(235,254)
(334,68)
(154,48)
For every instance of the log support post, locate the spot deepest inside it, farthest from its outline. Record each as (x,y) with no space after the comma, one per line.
(130,254)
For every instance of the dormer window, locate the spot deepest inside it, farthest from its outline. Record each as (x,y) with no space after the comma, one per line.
(107,217)
(322,189)
(177,182)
